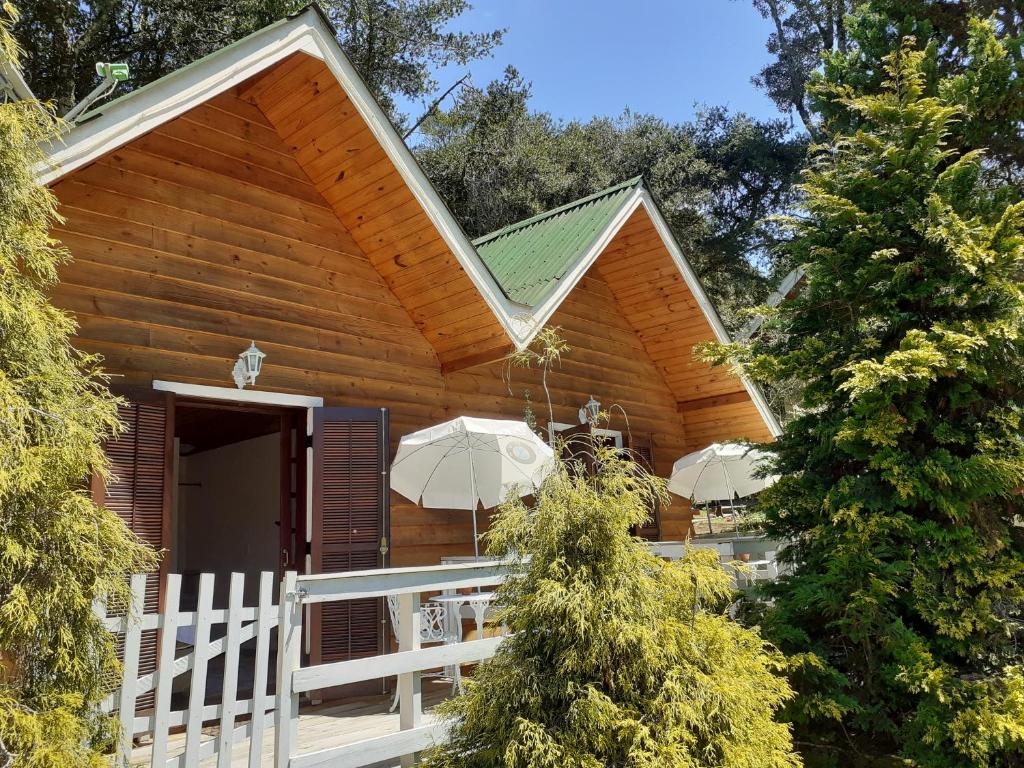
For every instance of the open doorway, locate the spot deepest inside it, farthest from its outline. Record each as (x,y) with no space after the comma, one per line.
(238,506)
(239,497)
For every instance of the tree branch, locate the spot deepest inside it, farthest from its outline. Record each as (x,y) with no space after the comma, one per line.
(433,106)
(796,85)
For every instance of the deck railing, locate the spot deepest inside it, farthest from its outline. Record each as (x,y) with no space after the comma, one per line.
(241,625)
(184,678)
(251,715)
(407,584)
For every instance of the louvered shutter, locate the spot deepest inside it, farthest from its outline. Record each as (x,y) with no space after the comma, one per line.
(138,492)
(641,450)
(350,519)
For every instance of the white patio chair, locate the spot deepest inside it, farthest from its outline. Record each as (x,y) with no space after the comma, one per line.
(772,571)
(432,630)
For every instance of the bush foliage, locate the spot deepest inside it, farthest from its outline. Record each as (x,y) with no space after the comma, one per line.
(58,551)
(617,658)
(901,477)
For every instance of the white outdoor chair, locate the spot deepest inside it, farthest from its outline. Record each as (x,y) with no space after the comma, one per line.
(772,571)
(756,571)
(761,570)
(432,630)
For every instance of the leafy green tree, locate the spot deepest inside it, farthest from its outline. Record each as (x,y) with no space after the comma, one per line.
(901,476)
(989,72)
(718,177)
(851,38)
(395,44)
(616,657)
(63,39)
(489,156)
(58,551)
(802,30)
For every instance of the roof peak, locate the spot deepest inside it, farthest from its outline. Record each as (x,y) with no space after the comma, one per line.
(636,180)
(311,7)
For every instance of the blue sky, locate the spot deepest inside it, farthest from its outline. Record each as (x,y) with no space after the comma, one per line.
(597,57)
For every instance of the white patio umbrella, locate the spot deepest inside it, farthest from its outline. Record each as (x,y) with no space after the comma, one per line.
(466,462)
(719,472)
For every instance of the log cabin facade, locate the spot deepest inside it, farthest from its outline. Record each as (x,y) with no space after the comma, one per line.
(261,194)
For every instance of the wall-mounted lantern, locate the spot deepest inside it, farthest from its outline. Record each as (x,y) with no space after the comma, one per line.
(248,366)
(590,411)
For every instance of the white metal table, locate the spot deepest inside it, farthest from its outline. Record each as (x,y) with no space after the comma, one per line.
(478,602)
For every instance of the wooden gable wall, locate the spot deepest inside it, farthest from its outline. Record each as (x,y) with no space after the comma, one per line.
(205,233)
(663,312)
(606,360)
(336,148)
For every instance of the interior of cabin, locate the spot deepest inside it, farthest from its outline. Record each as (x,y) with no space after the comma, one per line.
(234,502)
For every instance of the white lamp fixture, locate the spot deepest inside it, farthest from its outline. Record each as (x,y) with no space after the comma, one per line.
(590,411)
(248,366)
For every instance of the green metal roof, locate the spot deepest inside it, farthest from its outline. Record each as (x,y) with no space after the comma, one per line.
(530,257)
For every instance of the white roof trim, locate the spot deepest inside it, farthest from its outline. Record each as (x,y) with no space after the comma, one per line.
(535,320)
(419,185)
(139,112)
(11,80)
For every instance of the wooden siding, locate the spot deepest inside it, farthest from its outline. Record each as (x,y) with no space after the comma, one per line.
(663,312)
(607,361)
(207,233)
(337,150)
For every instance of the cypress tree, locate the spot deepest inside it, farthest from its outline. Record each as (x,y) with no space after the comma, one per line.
(902,473)
(58,551)
(616,657)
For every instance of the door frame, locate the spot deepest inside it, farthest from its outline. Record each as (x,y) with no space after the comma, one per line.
(292,461)
(257,397)
(250,396)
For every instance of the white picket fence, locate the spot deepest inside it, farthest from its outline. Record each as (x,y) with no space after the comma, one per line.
(242,624)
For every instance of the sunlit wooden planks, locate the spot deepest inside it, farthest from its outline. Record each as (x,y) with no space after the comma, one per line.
(669,322)
(337,150)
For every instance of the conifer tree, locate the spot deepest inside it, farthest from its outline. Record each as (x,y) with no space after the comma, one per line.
(58,551)
(616,658)
(902,475)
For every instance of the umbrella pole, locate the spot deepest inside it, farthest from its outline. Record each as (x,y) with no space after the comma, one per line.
(472,487)
(476,539)
(472,493)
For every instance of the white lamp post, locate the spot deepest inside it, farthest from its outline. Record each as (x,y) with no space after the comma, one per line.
(248,366)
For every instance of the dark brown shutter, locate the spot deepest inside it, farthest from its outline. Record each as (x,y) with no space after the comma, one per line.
(350,518)
(641,449)
(138,492)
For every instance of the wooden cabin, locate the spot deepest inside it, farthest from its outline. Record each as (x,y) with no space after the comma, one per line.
(261,195)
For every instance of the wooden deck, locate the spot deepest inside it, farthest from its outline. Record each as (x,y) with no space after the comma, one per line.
(329,725)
